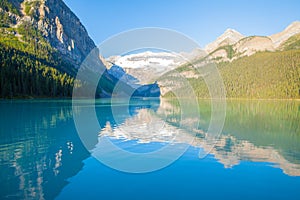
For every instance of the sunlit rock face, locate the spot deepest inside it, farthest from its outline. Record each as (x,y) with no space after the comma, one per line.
(59,25)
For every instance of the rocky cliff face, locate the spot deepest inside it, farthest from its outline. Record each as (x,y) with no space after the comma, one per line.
(58,25)
(50,27)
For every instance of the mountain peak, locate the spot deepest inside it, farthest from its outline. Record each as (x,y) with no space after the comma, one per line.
(231,31)
(232,35)
(229,37)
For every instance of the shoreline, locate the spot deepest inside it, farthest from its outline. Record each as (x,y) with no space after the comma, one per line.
(70,98)
(239,99)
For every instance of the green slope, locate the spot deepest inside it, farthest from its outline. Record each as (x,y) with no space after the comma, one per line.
(292,43)
(29,66)
(262,75)
(25,75)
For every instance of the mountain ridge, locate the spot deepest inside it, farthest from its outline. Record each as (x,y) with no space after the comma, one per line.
(248,45)
(228,47)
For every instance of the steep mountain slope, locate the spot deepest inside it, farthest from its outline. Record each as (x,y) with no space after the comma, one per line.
(263,75)
(30,66)
(48,43)
(55,22)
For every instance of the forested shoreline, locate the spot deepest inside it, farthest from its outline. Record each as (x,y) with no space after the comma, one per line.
(264,75)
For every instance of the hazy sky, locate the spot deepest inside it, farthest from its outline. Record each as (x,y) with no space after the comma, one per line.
(202,20)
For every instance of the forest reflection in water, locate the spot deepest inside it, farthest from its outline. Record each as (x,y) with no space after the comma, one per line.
(40,148)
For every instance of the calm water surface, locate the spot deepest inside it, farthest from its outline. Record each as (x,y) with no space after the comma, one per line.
(256,156)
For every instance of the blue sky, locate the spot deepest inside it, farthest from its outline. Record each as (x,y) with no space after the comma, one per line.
(202,20)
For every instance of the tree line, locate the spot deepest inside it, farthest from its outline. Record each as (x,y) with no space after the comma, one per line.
(264,75)
(22,75)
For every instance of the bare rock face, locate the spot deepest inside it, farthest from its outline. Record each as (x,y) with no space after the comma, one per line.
(59,25)
(253,44)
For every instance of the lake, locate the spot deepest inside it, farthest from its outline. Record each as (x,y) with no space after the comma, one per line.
(44,156)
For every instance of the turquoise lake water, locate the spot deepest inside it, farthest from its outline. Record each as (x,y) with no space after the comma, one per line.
(257,156)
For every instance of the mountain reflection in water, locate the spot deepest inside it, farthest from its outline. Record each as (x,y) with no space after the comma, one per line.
(259,131)
(40,149)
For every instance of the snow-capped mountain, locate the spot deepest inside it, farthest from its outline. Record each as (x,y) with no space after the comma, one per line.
(148,66)
(144,59)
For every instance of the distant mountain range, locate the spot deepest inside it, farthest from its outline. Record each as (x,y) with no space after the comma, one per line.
(43,43)
(231,45)
(147,66)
